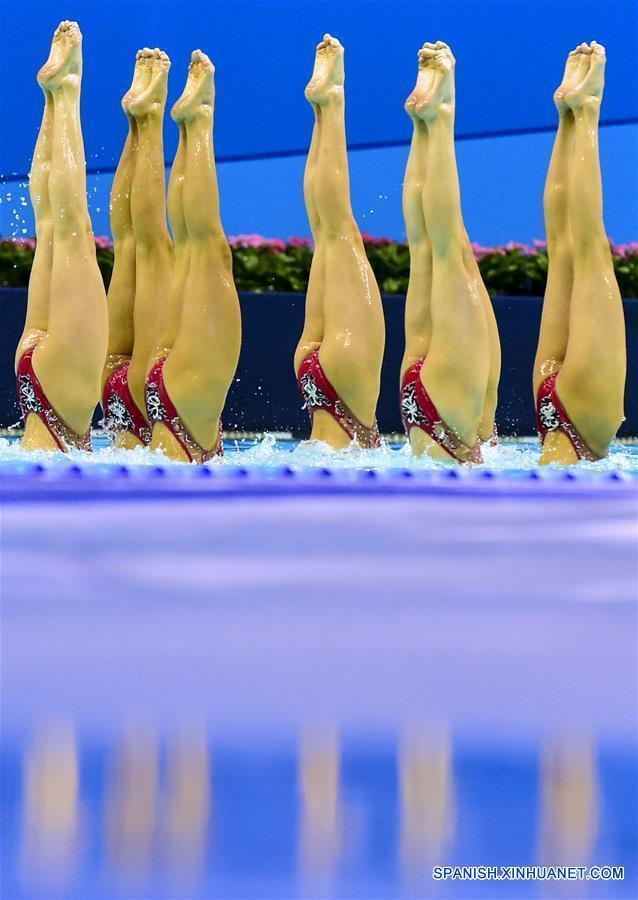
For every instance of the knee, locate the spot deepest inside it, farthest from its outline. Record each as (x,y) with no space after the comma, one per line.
(340,224)
(152,243)
(207,234)
(44,231)
(592,248)
(450,246)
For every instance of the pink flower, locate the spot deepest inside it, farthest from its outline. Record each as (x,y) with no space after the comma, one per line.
(103,243)
(27,243)
(300,241)
(480,251)
(375,241)
(540,245)
(514,245)
(246,240)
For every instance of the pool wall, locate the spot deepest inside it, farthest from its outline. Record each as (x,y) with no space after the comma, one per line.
(264,396)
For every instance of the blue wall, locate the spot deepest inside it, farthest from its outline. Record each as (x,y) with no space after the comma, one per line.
(510,58)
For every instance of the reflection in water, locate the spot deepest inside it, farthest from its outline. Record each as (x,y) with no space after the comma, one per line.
(138,824)
(569,802)
(50,811)
(320,814)
(131,803)
(427,795)
(187,804)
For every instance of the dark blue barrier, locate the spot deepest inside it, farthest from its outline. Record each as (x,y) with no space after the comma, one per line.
(264,395)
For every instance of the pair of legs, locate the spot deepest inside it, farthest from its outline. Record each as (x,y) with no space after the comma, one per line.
(344,317)
(449,319)
(582,336)
(66,322)
(143,248)
(201,335)
(173,300)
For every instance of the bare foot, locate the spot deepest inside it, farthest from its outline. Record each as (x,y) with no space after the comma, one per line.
(424,79)
(153,97)
(64,64)
(141,79)
(199,93)
(329,74)
(576,68)
(589,92)
(434,91)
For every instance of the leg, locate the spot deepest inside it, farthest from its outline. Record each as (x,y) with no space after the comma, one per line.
(70,360)
(552,342)
(37,317)
(153,246)
(181,251)
(456,370)
(121,293)
(591,381)
(354,334)
(203,361)
(418,314)
(487,423)
(312,334)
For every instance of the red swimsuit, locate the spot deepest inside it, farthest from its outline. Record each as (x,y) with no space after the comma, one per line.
(418,411)
(160,408)
(318,393)
(552,416)
(120,410)
(33,400)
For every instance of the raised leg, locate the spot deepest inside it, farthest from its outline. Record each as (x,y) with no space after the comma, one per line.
(121,293)
(552,342)
(181,252)
(37,317)
(153,245)
(312,334)
(418,314)
(456,369)
(70,360)
(591,380)
(354,330)
(202,363)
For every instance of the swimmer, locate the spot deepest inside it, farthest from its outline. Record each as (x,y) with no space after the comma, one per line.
(580,366)
(452,361)
(195,358)
(60,357)
(137,295)
(338,358)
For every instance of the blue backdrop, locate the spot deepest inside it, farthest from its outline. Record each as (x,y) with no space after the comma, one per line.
(510,58)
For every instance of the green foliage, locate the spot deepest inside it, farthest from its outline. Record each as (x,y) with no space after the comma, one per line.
(263,264)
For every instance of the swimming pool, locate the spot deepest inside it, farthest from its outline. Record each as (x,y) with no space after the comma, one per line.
(452,643)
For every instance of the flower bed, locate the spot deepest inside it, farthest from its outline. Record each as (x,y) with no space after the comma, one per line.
(271,264)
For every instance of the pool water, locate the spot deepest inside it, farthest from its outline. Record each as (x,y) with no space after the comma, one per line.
(273,451)
(301,673)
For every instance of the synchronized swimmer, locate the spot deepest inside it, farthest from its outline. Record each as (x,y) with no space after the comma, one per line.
(160,352)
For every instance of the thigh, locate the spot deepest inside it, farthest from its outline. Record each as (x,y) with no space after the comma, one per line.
(354,336)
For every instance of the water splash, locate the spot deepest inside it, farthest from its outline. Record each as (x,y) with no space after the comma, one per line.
(271,453)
